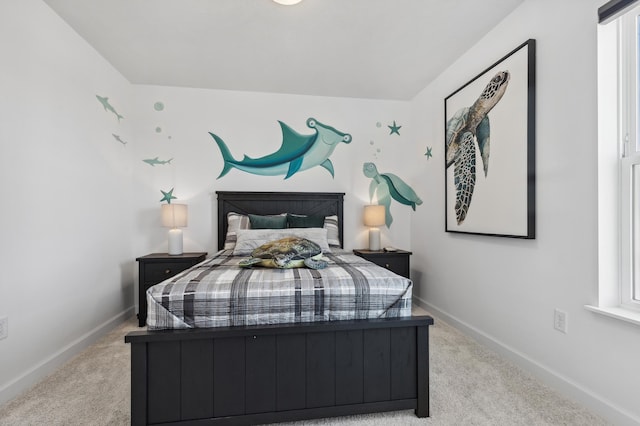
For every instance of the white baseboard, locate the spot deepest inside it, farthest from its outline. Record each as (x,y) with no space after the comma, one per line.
(55,361)
(596,403)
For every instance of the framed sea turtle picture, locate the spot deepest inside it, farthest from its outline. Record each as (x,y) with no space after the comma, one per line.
(490,149)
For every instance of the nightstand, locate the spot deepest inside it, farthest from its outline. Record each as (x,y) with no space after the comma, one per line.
(157,267)
(395,261)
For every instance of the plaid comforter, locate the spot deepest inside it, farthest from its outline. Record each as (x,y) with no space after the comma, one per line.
(218,293)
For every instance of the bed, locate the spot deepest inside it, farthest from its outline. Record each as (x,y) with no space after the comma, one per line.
(277,370)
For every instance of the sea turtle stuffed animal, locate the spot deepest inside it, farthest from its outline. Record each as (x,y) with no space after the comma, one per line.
(469,125)
(288,252)
(387,186)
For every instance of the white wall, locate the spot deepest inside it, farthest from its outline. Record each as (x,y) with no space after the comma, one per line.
(80,206)
(70,205)
(66,198)
(502,290)
(248,123)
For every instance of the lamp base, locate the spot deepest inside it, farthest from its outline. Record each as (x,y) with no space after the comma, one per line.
(374,239)
(175,241)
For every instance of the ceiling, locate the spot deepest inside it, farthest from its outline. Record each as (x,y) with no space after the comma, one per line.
(382,49)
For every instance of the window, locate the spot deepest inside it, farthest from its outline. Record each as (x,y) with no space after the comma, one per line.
(629,153)
(619,166)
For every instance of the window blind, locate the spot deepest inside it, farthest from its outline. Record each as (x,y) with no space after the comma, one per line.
(612,8)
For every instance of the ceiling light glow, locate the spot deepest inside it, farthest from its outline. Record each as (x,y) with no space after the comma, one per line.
(288,2)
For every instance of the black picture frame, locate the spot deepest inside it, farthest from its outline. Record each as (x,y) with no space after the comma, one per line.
(490,187)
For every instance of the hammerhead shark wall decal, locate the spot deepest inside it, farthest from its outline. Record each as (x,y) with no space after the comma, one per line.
(297,152)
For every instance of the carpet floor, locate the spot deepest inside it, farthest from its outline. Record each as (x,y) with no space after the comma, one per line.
(470,385)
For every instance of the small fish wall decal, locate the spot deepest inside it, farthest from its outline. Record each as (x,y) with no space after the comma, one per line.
(153,161)
(297,152)
(386,186)
(118,138)
(107,106)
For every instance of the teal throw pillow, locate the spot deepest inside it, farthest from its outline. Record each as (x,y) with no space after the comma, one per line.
(267,222)
(299,221)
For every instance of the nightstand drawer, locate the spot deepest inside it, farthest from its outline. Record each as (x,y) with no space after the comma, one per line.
(157,267)
(399,265)
(157,272)
(395,261)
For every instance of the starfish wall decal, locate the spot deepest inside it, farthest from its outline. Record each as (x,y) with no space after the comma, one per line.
(394,128)
(167,196)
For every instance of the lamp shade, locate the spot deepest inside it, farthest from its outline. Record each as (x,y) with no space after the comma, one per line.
(374,215)
(174,215)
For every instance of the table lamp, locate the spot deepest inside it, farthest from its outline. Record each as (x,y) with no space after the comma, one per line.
(374,217)
(174,216)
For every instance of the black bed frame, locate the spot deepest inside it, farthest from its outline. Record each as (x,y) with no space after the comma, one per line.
(265,374)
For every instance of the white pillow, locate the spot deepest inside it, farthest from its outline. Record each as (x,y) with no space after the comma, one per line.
(333,235)
(331,225)
(235,221)
(250,239)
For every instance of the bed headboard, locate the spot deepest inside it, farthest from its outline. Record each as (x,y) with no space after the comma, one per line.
(309,203)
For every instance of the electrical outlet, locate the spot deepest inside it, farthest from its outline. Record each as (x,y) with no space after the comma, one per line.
(560,319)
(4,327)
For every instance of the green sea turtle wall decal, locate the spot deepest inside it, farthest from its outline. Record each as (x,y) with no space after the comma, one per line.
(297,152)
(107,106)
(468,126)
(386,186)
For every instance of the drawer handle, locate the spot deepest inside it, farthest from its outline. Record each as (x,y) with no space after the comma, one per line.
(386,265)
(167,271)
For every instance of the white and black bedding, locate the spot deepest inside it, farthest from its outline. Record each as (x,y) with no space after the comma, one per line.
(218,293)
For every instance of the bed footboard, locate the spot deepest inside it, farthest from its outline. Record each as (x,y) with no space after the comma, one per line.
(265,374)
